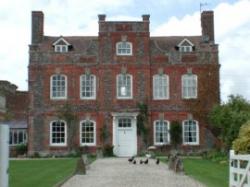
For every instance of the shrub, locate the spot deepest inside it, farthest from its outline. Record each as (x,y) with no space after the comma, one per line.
(21,149)
(36,155)
(175,133)
(242,143)
(215,155)
(108,150)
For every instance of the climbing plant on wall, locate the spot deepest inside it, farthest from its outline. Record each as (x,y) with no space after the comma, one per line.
(66,112)
(142,122)
(176,133)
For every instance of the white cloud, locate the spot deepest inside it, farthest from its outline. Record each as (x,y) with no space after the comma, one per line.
(232,33)
(62,17)
(188,25)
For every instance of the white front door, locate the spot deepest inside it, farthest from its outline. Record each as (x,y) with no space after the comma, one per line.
(125,137)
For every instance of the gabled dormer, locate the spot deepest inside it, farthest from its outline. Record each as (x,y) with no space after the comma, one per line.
(61,45)
(185,46)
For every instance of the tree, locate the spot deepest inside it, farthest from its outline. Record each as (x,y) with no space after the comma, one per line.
(242,143)
(66,113)
(229,117)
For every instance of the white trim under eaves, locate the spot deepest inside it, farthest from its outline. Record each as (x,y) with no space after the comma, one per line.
(185,40)
(61,39)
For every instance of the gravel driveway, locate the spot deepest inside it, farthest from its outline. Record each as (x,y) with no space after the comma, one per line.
(118,172)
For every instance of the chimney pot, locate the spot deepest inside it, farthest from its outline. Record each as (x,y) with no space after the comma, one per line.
(145,17)
(102,17)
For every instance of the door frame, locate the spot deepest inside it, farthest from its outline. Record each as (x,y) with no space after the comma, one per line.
(116,115)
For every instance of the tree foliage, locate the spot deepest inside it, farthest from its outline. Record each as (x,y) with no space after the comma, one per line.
(229,117)
(242,143)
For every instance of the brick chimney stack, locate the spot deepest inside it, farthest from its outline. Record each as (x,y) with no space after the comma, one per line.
(145,19)
(37,27)
(207,26)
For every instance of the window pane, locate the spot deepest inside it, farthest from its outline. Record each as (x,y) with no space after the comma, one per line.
(190,131)
(88,86)
(124,48)
(160,86)
(124,85)
(58,132)
(189,86)
(87,132)
(58,86)
(161,132)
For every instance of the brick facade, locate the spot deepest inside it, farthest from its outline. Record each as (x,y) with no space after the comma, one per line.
(14,112)
(97,55)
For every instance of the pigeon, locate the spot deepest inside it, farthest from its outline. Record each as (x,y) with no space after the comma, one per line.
(157,161)
(131,159)
(146,161)
(134,162)
(141,161)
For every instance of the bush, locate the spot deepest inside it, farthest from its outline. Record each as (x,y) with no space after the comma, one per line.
(242,143)
(36,155)
(176,133)
(215,155)
(21,149)
(108,150)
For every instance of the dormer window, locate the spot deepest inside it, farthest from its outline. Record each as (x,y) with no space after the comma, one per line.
(185,49)
(61,45)
(124,48)
(185,46)
(61,48)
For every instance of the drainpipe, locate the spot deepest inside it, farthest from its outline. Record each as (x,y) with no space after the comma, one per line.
(4,155)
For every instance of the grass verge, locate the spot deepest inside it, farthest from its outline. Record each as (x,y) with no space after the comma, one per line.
(212,174)
(40,173)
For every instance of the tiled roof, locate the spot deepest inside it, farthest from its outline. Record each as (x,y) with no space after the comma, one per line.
(79,43)
(165,44)
(83,44)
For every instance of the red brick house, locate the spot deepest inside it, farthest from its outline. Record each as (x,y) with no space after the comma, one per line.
(104,77)
(14,112)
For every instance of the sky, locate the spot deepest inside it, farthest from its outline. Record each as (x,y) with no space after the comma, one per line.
(167,17)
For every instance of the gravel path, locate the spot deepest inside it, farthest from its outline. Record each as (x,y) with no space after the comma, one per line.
(117,172)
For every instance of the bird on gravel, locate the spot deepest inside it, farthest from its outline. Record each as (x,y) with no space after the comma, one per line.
(146,161)
(131,159)
(134,162)
(141,161)
(157,161)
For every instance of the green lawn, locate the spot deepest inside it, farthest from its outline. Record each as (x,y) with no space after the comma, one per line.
(40,173)
(209,173)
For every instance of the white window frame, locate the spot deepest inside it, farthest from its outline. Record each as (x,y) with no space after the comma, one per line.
(61,48)
(65,132)
(124,120)
(51,87)
(187,92)
(185,48)
(94,87)
(168,133)
(157,90)
(88,144)
(126,48)
(197,133)
(18,131)
(131,86)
